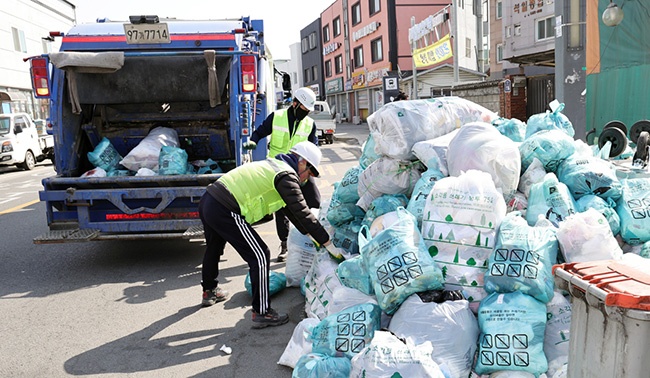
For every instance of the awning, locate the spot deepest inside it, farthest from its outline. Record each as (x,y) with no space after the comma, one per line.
(544,58)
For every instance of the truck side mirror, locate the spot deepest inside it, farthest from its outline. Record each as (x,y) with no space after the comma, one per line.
(18,129)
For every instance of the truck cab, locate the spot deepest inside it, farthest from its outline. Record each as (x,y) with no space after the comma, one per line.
(207,80)
(325,122)
(21,143)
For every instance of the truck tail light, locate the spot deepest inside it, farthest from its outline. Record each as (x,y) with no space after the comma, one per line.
(40,80)
(248,73)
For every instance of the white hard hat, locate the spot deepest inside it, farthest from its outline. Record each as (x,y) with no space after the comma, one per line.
(311,153)
(306,97)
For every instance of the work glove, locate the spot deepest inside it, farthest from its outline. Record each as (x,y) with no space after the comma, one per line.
(250,145)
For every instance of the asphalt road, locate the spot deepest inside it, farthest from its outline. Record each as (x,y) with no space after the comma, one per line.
(131,308)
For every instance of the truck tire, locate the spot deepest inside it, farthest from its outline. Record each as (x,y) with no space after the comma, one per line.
(30,161)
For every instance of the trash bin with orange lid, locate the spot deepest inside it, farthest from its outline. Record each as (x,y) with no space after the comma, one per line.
(610,317)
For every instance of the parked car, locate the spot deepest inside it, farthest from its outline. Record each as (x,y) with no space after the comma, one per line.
(21,143)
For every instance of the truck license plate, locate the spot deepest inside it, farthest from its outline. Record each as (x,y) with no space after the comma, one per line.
(146,33)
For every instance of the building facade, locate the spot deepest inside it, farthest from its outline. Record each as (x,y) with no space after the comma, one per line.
(24,32)
(311,58)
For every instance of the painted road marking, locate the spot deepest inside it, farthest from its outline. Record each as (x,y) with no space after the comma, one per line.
(15,208)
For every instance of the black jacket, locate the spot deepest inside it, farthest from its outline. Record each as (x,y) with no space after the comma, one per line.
(288,186)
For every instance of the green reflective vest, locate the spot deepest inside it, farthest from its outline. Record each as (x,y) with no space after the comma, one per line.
(281,142)
(253,187)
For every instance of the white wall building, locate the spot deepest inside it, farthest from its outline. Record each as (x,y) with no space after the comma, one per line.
(24,25)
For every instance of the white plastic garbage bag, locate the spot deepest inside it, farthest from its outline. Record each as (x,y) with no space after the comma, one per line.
(389,357)
(459,225)
(300,254)
(587,237)
(479,145)
(387,176)
(451,327)
(299,344)
(397,126)
(147,152)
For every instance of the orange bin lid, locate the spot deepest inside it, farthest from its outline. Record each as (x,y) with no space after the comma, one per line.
(625,286)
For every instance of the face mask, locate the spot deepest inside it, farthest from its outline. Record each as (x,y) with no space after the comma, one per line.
(300,113)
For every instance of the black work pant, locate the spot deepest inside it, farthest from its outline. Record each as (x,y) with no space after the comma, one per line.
(312,197)
(222,226)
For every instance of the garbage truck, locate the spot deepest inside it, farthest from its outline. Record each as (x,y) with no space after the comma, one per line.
(208,81)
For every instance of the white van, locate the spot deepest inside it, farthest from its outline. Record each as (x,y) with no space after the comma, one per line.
(20,143)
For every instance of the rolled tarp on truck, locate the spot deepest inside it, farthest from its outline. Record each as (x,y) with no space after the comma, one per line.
(111,93)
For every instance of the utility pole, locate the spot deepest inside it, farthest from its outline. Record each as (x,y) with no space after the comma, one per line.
(454,31)
(414,95)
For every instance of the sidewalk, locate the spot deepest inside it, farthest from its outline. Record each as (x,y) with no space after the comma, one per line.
(351,133)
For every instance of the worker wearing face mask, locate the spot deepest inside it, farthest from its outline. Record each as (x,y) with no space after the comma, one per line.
(286,128)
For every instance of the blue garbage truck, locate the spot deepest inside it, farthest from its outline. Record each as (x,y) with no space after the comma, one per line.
(209,81)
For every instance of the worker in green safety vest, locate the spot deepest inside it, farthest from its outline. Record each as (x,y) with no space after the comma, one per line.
(241,198)
(286,128)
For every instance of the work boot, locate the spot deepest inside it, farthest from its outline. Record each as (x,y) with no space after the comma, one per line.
(271,319)
(283,251)
(213,296)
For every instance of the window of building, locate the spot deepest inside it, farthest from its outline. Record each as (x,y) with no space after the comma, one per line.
(328,68)
(468,47)
(375,6)
(508,31)
(545,28)
(326,34)
(19,40)
(306,74)
(376,51)
(338,64)
(499,52)
(499,10)
(518,29)
(356,13)
(312,40)
(314,73)
(336,24)
(304,44)
(358,57)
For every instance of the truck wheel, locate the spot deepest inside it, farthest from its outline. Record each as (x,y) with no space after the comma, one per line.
(30,161)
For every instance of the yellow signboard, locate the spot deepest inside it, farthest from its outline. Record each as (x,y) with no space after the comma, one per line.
(432,54)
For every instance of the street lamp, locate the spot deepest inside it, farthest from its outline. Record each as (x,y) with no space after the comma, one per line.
(613,15)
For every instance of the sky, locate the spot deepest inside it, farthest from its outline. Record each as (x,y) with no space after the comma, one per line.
(283,19)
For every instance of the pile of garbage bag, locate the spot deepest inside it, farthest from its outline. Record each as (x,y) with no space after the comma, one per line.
(445,236)
(157,154)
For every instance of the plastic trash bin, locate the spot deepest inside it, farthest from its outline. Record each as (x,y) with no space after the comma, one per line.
(610,319)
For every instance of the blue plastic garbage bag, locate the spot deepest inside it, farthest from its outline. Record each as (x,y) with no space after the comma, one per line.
(633,208)
(398,262)
(551,199)
(172,161)
(368,155)
(523,259)
(512,334)
(105,156)
(589,175)
(318,365)
(420,192)
(550,121)
(339,212)
(208,167)
(382,205)
(347,332)
(346,190)
(346,236)
(606,207)
(512,128)
(352,273)
(550,147)
(277,283)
